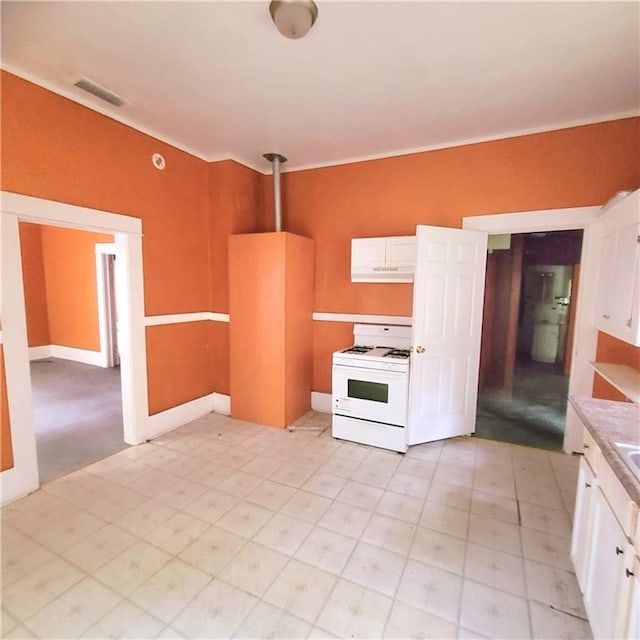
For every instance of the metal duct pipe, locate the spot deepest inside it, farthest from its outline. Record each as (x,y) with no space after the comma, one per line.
(276,160)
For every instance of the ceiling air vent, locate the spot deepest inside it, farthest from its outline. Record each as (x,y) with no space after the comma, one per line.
(99,92)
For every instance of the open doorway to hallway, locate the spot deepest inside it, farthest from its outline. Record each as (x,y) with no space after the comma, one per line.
(527,341)
(69,289)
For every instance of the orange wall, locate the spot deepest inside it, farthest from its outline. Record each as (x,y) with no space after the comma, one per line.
(6,452)
(56,149)
(70,276)
(35,290)
(236,195)
(175,367)
(568,168)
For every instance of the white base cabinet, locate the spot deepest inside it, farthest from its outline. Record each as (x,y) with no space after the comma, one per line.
(603,555)
(606,597)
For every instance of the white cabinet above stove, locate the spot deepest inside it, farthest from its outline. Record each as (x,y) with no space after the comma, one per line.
(389,259)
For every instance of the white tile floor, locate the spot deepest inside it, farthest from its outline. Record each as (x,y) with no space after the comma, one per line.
(225,529)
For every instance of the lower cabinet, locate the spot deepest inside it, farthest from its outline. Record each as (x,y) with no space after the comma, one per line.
(633,624)
(608,588)
(581,539)
(603,554)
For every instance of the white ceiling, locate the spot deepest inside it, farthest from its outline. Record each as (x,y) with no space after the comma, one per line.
(371,79)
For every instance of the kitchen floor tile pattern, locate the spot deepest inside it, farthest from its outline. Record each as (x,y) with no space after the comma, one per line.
(224,529)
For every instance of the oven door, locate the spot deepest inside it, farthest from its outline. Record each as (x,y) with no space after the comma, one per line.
(369,394)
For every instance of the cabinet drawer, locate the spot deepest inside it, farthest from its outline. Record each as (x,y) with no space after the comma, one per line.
(591,450)
(621,504)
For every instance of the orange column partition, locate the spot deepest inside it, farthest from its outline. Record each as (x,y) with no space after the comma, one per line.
(270,333)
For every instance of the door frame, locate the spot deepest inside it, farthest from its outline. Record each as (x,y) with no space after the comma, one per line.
(106,302)
(585,334)
(23,477)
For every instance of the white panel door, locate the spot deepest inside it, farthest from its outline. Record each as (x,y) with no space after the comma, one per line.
(448,295)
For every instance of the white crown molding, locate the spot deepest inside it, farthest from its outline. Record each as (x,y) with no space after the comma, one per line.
(462,142)
(250,164)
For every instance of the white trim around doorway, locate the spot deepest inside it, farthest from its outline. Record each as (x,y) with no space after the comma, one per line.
(106,302)
(23,478)
(586,335)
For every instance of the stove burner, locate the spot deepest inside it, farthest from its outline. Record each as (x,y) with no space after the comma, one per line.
(356,349)
(397,353)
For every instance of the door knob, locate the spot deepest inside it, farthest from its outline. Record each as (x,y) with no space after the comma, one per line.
(420,349)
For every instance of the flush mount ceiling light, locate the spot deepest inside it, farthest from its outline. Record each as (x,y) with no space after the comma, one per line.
(293,18)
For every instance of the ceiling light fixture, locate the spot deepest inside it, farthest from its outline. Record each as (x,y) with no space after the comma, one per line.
(293,18)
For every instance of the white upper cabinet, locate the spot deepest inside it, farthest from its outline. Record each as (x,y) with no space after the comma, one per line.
(618,292)
(390,259)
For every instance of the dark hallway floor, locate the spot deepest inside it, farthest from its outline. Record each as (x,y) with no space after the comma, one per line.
(77,413)
(534,415)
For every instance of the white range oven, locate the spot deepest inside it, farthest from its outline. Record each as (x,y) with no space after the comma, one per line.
(370,387)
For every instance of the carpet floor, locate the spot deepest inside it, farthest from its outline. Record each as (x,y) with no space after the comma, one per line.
(77,413)
(534,415)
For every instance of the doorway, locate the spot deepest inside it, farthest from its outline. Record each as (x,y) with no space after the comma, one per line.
(530,302)
(23,478)
(69,291)
(586,334)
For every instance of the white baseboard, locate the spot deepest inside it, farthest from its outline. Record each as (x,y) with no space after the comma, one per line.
(221,404)
(321,401)
(85,356)
(164,421)
(38,353)
(77,355)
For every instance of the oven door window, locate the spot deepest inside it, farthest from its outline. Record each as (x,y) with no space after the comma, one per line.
(365,390)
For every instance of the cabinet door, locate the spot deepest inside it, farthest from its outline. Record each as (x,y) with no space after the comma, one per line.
(606,576)
(605,290)
(581,538)
(401,251)
(633,619)
(368,252)
(624,303)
